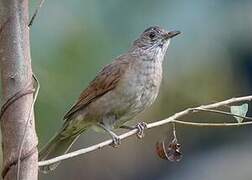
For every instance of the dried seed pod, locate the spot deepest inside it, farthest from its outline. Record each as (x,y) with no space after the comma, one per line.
(161,150)
(169,150)
(173,151)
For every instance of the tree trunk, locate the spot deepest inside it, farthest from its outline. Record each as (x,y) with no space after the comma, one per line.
(16,74)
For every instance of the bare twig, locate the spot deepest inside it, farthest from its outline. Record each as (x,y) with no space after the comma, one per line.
(198,124)
(26,125)
(209,106)
(221,112)
(174,130)
(35,13)
(172,119)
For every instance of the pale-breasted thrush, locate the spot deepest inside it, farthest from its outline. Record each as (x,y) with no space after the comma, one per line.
(120,91)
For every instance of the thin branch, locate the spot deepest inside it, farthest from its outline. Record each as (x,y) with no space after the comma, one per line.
(209,106)
(26,125)
(85,150)
(171,119)
(35,13)
(221,112)
(198,124)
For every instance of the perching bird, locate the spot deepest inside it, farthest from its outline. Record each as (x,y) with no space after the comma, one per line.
(119,92)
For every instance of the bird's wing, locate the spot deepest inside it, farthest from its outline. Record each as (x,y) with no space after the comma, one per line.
(105,81)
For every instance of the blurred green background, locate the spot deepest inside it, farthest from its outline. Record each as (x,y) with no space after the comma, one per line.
(211,61)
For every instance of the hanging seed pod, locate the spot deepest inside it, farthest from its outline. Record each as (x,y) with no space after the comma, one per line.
(169,150)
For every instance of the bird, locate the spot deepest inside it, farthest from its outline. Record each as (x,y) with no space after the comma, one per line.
(120,91)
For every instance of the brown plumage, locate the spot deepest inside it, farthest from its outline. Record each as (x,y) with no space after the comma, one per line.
(105,81)
(119,92)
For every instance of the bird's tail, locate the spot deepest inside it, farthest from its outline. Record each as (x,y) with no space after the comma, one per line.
(57,146)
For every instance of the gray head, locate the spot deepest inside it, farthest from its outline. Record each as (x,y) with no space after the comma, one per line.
(154,37)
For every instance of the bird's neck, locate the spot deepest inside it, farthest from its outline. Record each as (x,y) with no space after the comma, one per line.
(150,53)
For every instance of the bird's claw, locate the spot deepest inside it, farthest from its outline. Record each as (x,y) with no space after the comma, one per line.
(141,127)
(116,141)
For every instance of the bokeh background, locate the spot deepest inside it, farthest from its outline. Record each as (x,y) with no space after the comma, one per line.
(210,61)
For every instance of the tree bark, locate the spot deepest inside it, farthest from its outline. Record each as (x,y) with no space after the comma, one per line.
(16,74)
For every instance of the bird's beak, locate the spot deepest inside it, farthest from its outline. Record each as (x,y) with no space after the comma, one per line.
(171,34)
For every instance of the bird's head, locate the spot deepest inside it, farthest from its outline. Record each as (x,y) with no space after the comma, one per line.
(154,37)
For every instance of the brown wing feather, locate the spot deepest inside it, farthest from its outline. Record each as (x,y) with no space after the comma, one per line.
(105,81)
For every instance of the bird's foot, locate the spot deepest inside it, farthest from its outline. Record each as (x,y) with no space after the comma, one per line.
(141,127)
(116,141)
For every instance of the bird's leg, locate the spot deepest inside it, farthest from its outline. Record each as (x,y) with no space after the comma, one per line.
(116,139)
(140,127)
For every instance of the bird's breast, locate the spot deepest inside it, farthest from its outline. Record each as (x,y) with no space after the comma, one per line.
(136,90)
(140,85)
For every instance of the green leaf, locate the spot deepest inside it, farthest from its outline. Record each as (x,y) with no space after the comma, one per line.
(239,111)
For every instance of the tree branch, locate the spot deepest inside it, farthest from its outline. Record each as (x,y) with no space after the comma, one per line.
(172,119)
(221,112)
(17,91)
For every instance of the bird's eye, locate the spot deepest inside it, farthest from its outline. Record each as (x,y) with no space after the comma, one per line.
(152,35)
